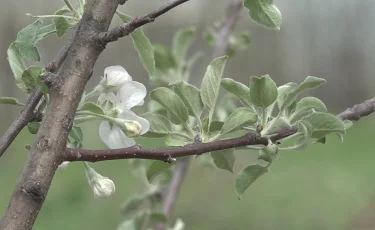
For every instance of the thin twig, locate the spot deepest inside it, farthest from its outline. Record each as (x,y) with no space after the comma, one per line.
(179,174)
(125,29)
(355,113)
(222,38)
(24,117)
(359,110)
(251,138)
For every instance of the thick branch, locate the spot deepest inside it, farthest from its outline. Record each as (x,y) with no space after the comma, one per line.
(126,29)
(49,147)
(25,116)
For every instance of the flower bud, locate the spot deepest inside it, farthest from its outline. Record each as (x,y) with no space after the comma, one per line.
(102,187)
(269,152)
(130,128)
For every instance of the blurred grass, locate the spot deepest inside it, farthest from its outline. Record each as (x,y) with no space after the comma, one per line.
(320,188)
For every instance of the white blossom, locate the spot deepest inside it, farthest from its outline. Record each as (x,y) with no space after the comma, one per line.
(127,124)
(114,78)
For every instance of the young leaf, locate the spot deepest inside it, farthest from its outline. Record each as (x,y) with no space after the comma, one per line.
(158,217)
(216,126)
(263,91)
(224,159)
(92,107)
(324,124)
(63,24)
(174,141)
(76,134)
(16,64)
(247,176)
(181,42)
(142,44)
(10,101)
(191,97)
(308,83)
(283,91)
(264,12)
(44,32)
(276,125)
(238,119)
(29,33)
(170,101)
(156,168)
(306,106)
(29,77)
(211,84)
(160,126)
(164,58)
(33,127)
(27,50)
(311,103)
(238,89)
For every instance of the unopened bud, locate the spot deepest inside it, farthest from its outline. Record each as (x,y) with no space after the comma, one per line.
(130,128)
(101,186)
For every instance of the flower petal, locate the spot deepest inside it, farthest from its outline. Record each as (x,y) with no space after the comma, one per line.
(129,115)
(131,94)
(115,73)
(113,137)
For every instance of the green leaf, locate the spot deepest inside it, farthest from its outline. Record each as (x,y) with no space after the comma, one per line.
(240,118)
(156,168)
(311,103)
(170,101)
(16,65)
(306,129)
(278,124)
(158,217)
(347,124)
(324,124)
(41,84)
(45,31)
(264,12)
(216,126)
(247,176)
(174,141)
(133,204)
(224,159)
(81,6)
(76,134)
(92,107)
(10,101)
(181,42)
(142,45)
(29,77)
(306,106)
(160,126)
(27,50)
(29,33)
(283,91)
(191,97)
(211,84)
(164,59)
(240,41)
(238,89)
(63,24)
(33,127)
(308,83)
(263,91)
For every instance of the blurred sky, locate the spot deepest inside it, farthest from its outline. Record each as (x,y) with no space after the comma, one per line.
(332,39)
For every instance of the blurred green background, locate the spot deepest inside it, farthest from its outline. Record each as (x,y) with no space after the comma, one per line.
(325,187)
